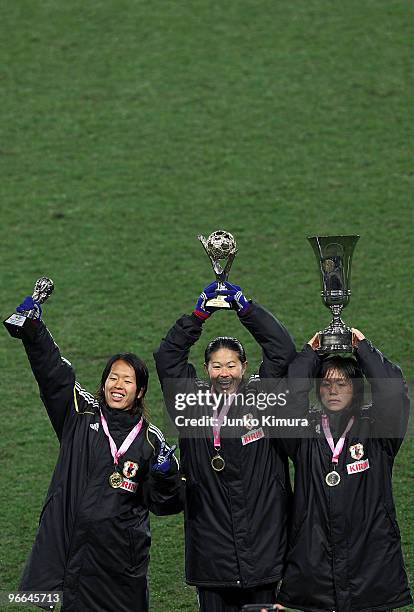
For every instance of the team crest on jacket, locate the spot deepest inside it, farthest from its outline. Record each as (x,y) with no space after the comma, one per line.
(357,451)
(130,469)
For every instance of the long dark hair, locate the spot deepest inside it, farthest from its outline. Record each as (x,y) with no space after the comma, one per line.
(224,342)
(141,376)
(351,371)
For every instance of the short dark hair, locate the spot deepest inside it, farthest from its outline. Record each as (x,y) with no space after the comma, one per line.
(225,342)
(141,376)
(351,371)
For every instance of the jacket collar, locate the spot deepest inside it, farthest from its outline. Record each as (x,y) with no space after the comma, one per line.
(119,419)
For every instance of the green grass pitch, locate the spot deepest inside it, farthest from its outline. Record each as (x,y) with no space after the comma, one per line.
(127,128)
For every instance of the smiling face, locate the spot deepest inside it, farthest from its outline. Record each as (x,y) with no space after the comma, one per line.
(225,370)
(121,386)
(336,390)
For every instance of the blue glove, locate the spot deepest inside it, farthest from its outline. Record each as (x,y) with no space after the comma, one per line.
(164,458)
(200,309)
(236,298)
(30,304)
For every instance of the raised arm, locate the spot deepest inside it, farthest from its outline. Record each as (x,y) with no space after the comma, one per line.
(302,372)
(300,382)
(61,395)
(177,376)
(390,402)
(171,357)
(54,375)
(277,344)
(278,348)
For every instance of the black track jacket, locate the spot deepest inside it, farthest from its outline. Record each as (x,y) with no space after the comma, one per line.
(235,520)
(344,549)
(93,541)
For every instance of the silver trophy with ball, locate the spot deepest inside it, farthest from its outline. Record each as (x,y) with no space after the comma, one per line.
(221,249)
(334,257)
(21,325)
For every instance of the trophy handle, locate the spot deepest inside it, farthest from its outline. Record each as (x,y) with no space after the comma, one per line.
(203,241)
(228,265)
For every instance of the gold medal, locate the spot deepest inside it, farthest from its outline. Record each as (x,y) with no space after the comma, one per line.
(115,480)
(332,479)
(218,463)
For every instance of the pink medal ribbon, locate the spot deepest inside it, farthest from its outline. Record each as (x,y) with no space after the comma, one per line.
(117,453)
(217,462)
(333,478)
(219,420)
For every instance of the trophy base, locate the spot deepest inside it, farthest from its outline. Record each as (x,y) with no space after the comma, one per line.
(20,326)
(335,341)
(218,302)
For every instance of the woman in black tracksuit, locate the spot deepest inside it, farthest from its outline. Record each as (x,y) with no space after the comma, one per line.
(344,549)
(237,491)
(93,539)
